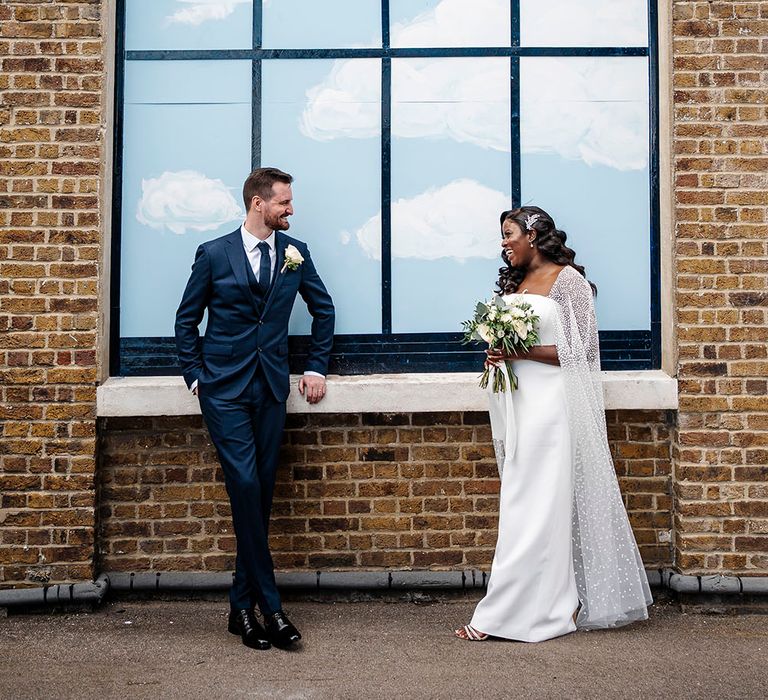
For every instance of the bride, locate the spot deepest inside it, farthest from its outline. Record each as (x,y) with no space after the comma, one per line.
(564,543)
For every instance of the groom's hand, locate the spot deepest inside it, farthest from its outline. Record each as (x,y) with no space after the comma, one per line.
(313,386)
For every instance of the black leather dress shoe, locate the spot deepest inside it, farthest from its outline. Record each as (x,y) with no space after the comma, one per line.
(243,622)
(280,630)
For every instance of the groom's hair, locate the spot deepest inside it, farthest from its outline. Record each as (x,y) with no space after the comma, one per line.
(260,182)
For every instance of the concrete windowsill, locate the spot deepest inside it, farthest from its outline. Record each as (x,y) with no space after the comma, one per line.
(375,393)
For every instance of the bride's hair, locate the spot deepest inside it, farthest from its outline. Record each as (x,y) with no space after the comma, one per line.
(549,240)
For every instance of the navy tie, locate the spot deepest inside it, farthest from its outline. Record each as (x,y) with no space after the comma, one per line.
(265,266)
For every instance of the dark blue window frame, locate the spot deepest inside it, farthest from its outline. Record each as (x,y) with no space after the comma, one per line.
(388,352)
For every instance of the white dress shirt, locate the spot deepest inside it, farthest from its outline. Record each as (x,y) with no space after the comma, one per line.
(253,253)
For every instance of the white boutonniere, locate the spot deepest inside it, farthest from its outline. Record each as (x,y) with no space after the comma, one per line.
(293,258)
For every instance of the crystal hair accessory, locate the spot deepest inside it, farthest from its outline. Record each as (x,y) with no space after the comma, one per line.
(531,220)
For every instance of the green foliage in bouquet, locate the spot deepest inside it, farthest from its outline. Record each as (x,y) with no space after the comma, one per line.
(511,327)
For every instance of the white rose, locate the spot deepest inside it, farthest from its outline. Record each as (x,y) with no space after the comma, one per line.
(520,329)
(293,258)
(292,253)
(500,334)
(485,332)
(506,318)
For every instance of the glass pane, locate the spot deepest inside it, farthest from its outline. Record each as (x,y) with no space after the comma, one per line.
(330,24)
(584,23)
(321,122)
(585,161)
(450,182)
(186,154)
(188,24)
(449,23)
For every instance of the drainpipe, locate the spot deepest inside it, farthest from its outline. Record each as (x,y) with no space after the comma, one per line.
(57,594)
(144,581)
(720,585)
(414,580)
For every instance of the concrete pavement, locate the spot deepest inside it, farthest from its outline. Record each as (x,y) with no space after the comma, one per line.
(373,649)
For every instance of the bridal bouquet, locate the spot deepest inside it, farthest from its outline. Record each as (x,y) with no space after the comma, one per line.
(508,327)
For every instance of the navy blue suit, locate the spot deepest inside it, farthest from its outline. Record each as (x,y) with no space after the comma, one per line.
(241,366)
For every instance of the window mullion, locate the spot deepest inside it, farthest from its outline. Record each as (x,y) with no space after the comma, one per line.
(256,87)
(386,175)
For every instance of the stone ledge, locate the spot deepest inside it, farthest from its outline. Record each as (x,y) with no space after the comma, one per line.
(376,393)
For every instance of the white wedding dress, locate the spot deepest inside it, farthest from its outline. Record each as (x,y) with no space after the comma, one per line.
(532,589)
(564,537)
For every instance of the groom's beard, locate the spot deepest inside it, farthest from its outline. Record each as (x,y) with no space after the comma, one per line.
(277,223)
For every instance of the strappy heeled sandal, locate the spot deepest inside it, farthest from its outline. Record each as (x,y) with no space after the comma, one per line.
(470,634)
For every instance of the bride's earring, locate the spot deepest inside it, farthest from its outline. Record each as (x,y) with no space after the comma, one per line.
(530,243)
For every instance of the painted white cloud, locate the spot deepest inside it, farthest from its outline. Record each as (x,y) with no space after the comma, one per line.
(186,200)
(459,220)
(453,23)
(196,12)
(584,23)
(347,102)
(461,99)
(591,109)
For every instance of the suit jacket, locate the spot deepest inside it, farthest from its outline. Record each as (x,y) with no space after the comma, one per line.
(246,327)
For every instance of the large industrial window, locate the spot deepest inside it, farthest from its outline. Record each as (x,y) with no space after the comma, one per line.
(408,126)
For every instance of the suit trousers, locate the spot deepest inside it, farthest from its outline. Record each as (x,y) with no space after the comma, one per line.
(247,432)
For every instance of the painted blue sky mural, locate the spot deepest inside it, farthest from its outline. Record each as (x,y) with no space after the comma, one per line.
(321,24)
(337,180)
(187,144)
(188,24)
(583,138)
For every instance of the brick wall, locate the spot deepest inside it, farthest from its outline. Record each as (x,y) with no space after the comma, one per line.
(367,491)
(721,191)
(159,473)
(50,152)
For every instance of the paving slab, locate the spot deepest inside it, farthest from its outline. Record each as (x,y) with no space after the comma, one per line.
(373,649)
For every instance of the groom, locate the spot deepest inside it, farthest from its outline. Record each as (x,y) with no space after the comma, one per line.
(247,281)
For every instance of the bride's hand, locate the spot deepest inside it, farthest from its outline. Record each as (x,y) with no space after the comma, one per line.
(496,357)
